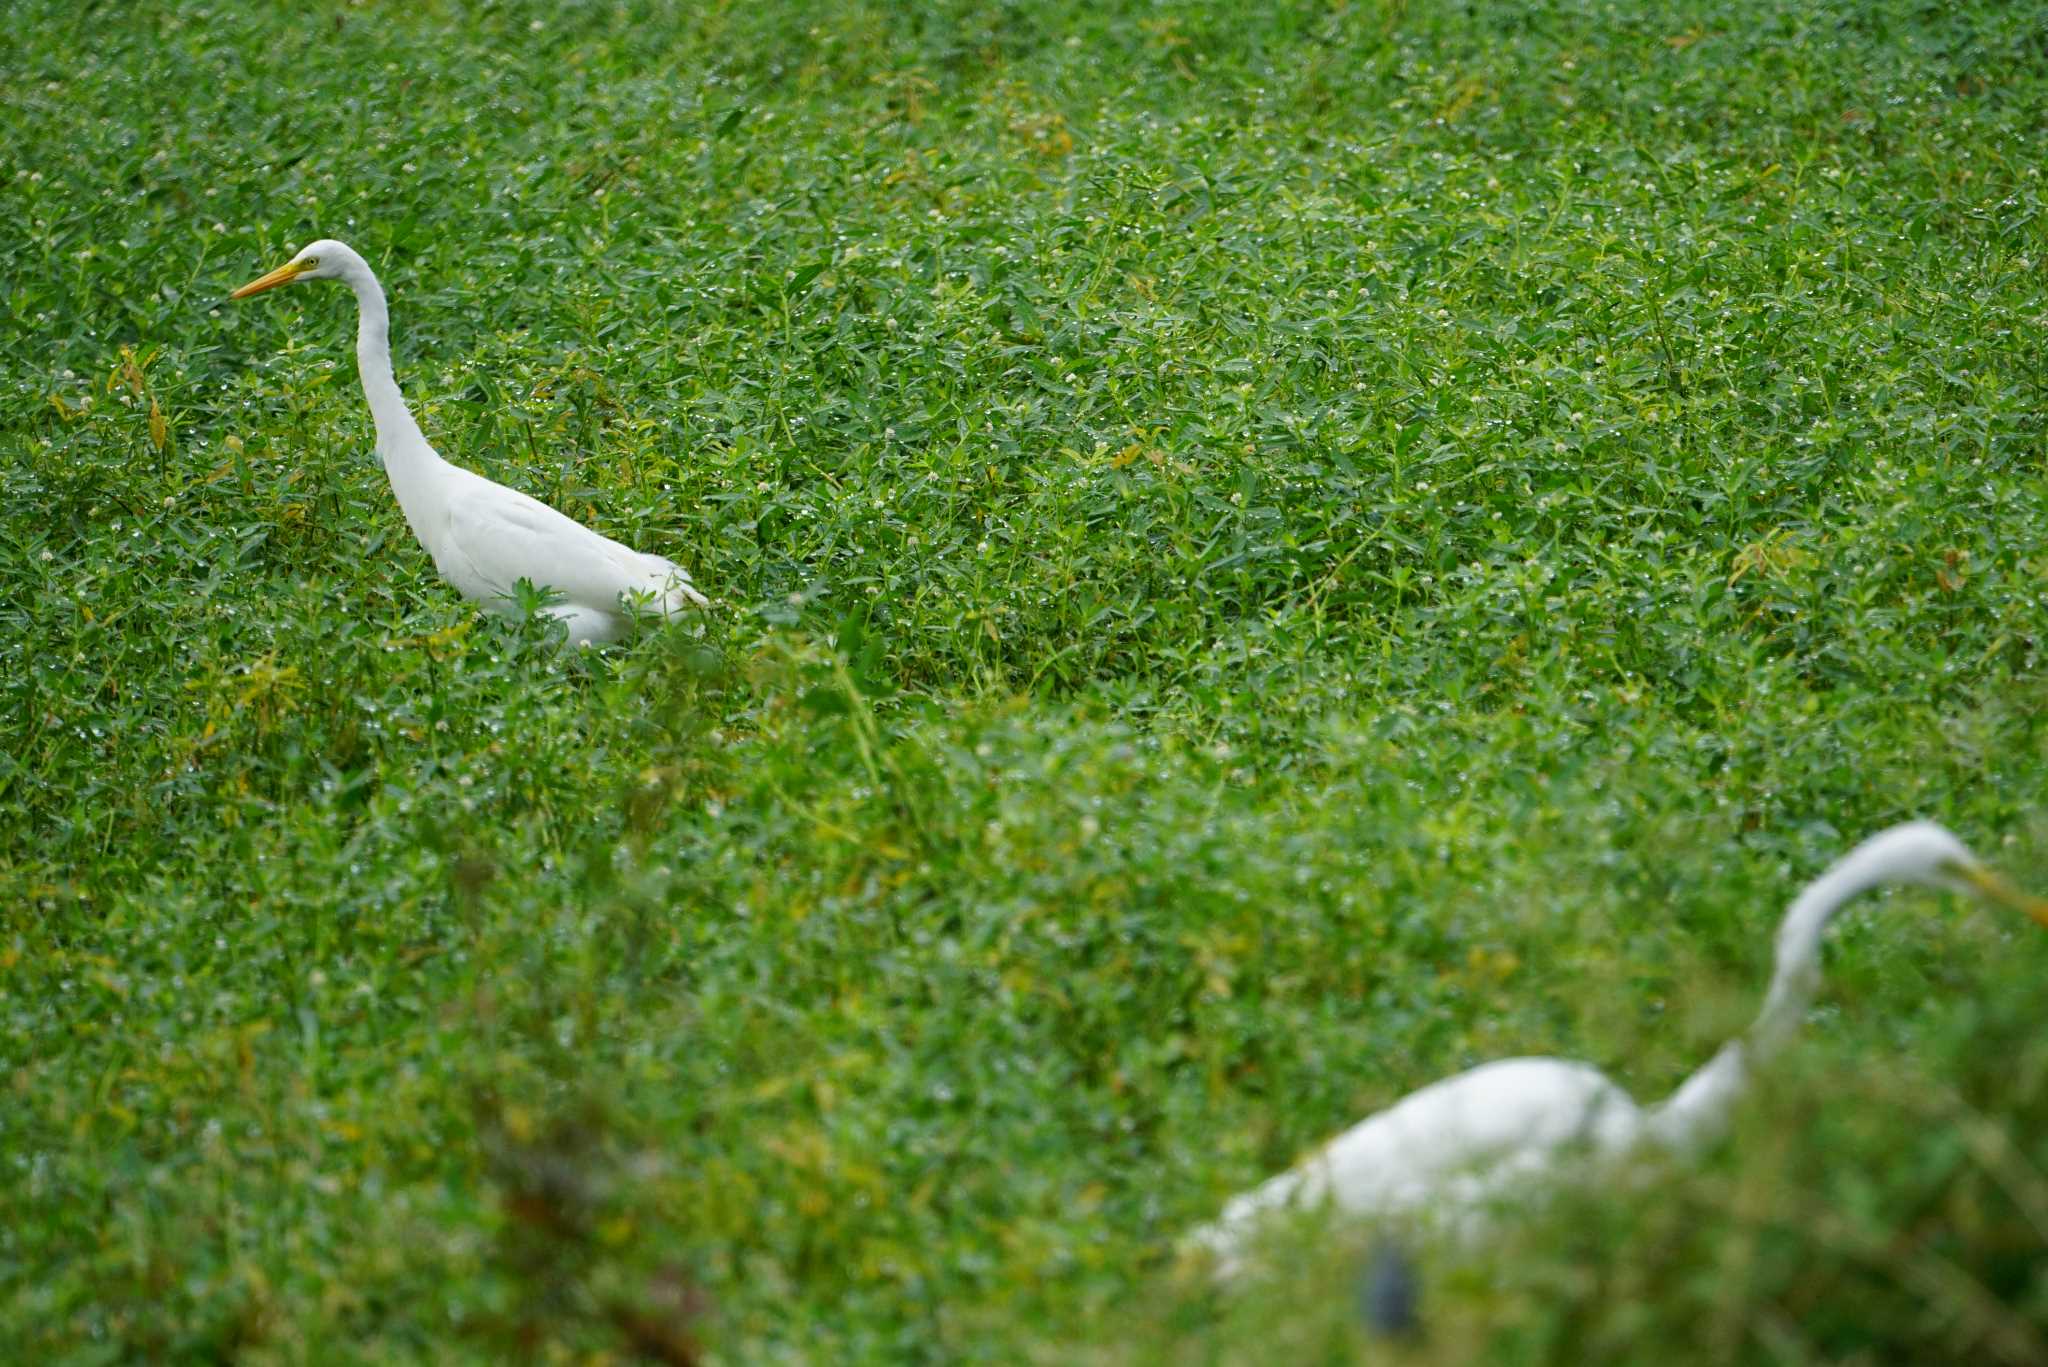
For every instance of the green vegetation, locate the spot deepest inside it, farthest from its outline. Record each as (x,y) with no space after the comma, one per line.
(1260,558)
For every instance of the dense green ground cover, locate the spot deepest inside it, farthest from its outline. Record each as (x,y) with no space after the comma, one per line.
(1259,559)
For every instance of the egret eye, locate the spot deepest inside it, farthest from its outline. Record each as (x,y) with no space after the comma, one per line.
(311,263)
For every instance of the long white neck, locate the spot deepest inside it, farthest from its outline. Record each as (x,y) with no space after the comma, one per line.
(1796,976)
(398,436)
(1698,1111)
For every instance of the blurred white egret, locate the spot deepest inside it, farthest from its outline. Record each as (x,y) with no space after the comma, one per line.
(1455,1145)
(484,537)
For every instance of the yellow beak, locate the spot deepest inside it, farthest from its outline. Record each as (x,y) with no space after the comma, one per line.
(1995,889)
(283,275)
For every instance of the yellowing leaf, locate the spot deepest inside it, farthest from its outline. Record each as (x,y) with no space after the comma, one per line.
(519,1123)
(1950,573)
(772,1088)
(1463,96)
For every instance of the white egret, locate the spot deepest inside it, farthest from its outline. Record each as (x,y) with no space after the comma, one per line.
(483,537)
(1449,1149)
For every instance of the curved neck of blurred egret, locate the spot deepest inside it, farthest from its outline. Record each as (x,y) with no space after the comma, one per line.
(1796,976)
(1697,1112)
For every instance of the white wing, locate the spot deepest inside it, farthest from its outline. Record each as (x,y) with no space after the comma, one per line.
(491,537)
(1446,1149)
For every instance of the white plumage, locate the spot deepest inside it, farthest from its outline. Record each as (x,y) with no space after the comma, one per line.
(1441,1153)
(483,537)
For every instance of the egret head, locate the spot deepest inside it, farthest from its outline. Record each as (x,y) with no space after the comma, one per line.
(322,260)
(1924,853)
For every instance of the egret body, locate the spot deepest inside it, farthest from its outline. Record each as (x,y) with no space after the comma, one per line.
(483,537)
(1453,1146)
